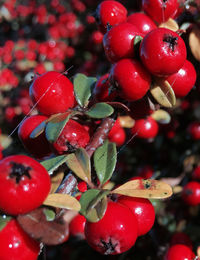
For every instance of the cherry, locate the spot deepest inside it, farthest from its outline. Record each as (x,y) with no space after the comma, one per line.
(183,81)
(116,49)
(115,233)
(191,193)
(130,78)
(52,93)
(73,136)
(160,10)
(160,47)
(143,211)
(145,128)
(109,13)
(142,22)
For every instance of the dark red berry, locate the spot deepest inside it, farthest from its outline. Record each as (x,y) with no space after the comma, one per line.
(196,173)
(194,130)
(39,146)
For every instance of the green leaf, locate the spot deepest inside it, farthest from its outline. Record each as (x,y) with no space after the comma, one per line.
(93,204)
(100,110)
(38,130)
(105,158)
(49,214)
(83,88)
(53,163)
(79,163)
(56,125)
(3,221)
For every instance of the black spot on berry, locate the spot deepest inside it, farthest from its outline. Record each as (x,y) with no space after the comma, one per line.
(108,247)
(171,41)
(18,170)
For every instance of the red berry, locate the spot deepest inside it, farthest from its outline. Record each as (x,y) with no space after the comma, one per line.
(160,47)
(196,173)
(143,211)
(73,136)
(142,22)
(115,233)
(117,134)
(179,252)
(39,146)
(52,93)
(77,226)
(194,130)
(183,81)
(16,244)
(24,184)
(145,172)
(145,128)
(131,79)
(110,13)
(191,193)
(116,49)
(82,186)
(101,89)
(97,37)
(160,10)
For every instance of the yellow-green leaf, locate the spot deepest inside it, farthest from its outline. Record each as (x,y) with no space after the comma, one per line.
(64,201)
(79,163)
(56,181)
(151,189)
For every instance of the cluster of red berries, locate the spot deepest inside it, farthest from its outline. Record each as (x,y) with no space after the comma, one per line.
(161,54)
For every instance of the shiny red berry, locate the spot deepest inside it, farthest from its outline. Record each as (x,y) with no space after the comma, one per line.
(183,81)
(116,49)
(142,22)
(191,193)
(16,244)
(160,47)
(145,128)
(73,136)
(24,184)
(39,146)
(52,93)
(160,10)
(117,136)
(115,233)
(143,211)
(179,252)
(110,13)
(77,226)
(130,78)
